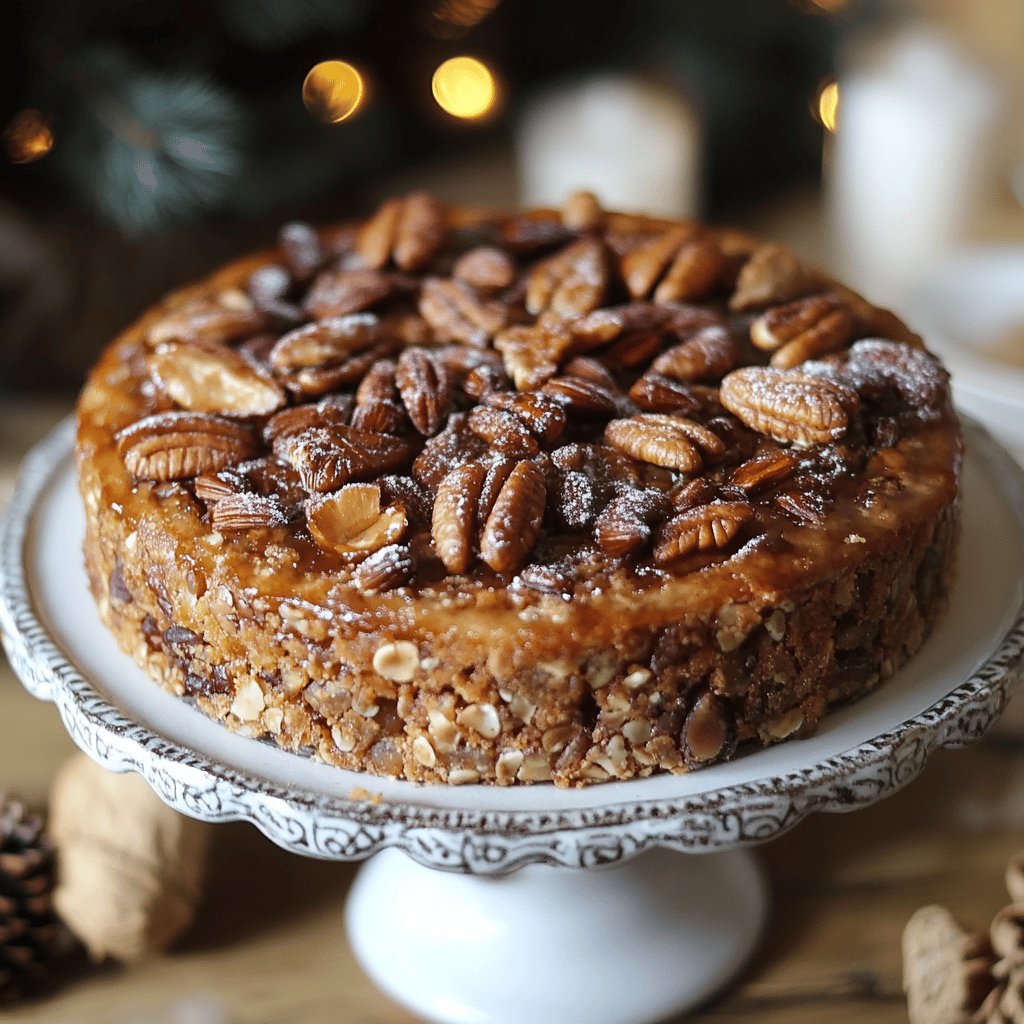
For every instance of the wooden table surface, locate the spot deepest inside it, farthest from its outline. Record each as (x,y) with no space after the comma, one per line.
(268,946)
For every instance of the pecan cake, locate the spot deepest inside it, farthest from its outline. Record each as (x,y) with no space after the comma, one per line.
(563,495)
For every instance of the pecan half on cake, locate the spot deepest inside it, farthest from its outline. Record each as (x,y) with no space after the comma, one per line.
(557,495)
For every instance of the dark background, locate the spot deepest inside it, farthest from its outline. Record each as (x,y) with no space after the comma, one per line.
(82,249)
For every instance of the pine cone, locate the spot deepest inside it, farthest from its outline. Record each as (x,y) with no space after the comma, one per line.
(32,938)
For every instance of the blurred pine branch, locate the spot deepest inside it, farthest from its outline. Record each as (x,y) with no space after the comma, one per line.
(145,147)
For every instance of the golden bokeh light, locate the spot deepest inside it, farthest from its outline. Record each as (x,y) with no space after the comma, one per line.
(828,106)
(28,137)
(464,87)
(333,91)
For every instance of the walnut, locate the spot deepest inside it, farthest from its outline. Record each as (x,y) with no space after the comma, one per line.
(946,969)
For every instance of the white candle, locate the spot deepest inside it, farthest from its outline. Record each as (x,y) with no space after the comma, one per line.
(908,163)
(636,145)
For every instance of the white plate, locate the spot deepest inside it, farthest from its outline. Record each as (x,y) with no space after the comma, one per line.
(947,695)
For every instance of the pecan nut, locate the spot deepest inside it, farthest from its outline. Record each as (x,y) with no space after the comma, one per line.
(654,392)
(643,264)
(453,525)
(341,292)
(328,457)
(485,268)
(880,369)
(300,245)
(531,355)
(706,356)
(765,470)
(324,342)
(245,510)
(539,412)
(700,529)
(627,522)
(387,568)
(583,395)
(673,442)
(213,320)
(178,445)
(455,312)
(570,283)
(582,212)
(677,266)
(515,520)
(790,406)
(802,330)
(379,417)
(772,274)
(425,387)
(502,429)
(379,384)
(409,231)
(452,447)
(314,381)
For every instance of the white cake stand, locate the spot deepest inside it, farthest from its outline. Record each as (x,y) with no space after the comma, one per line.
(487,905)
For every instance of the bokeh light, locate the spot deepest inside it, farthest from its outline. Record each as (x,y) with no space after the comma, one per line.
(452,19)
(464,87)
(28,136)
(828,105)
(333,91)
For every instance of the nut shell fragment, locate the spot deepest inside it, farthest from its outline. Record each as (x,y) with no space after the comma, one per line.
(214,380)
(351,521)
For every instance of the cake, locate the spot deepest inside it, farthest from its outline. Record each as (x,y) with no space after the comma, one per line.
(557,495)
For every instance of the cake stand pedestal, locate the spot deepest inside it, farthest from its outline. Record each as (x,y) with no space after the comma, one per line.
(487,905)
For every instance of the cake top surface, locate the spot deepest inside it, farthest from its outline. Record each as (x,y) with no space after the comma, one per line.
(536,403)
